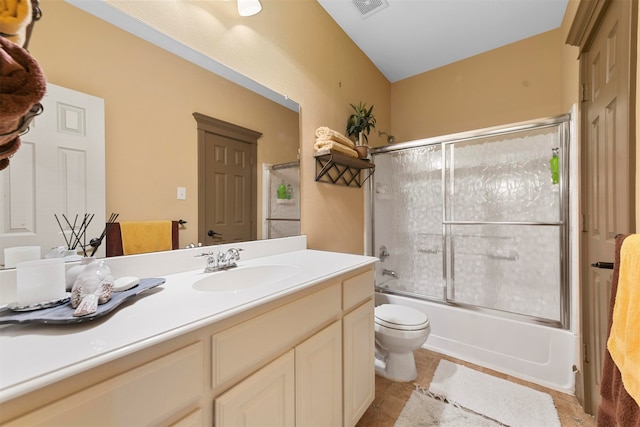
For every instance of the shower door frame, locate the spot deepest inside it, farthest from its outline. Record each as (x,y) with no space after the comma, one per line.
(563,124)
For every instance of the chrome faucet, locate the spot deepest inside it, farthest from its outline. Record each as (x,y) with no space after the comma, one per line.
(221,260)
(391,273)
(228,259)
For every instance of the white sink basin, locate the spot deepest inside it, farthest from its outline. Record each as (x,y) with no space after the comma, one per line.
(245,277)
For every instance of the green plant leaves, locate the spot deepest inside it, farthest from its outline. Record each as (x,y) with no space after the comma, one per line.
(361,120)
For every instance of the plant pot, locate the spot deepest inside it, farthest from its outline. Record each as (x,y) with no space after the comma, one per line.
(363,151)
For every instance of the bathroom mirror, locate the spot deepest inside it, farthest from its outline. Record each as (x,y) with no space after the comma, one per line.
(150,96)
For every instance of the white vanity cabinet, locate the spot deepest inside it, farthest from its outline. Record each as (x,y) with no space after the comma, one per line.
(303,387)
(305,359)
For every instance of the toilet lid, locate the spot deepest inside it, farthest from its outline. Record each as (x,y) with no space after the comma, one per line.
(397,316)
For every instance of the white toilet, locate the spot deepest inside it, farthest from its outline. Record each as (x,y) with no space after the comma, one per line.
(399,331)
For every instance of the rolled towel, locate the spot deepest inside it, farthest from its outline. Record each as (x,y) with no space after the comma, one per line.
(15,17)
(325,147)
(326,134)
(23,86)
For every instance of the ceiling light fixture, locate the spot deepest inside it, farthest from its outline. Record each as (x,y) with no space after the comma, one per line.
(249,7)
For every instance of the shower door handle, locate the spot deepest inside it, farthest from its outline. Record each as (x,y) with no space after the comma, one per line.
(603,264)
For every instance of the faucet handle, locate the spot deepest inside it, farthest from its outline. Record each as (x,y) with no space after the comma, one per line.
(203,254)
(236,252)
(232,254)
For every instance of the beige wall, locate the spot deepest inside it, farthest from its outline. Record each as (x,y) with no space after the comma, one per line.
(516,82)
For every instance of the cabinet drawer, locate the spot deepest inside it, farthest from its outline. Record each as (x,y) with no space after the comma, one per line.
(245,347)
(357,289)
(145,395)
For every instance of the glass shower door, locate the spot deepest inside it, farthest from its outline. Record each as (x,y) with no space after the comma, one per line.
(503,223)
(478,222)
(407,192)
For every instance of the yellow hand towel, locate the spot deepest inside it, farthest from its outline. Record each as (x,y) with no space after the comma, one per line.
(15,17)
(326,134)
(624,338)
(140,237)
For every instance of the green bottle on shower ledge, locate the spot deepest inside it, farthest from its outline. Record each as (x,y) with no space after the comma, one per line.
(282,191)
(554,164)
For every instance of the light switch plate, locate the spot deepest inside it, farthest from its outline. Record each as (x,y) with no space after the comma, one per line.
(182,193)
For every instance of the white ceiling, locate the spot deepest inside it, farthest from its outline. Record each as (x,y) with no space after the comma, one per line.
(408,37)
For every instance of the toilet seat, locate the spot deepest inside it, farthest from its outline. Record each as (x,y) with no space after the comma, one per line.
(400,317)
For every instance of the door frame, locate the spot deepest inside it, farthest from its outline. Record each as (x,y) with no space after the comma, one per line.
(215,126)
(585,26)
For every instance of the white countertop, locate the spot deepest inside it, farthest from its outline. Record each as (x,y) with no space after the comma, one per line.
(35,355)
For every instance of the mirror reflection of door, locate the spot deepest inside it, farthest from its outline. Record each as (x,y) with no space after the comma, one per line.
(227,182)
(58,170)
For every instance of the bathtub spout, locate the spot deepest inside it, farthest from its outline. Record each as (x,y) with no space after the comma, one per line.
(391,273)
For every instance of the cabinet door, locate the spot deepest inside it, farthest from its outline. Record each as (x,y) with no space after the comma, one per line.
(319,379)
(359,371)
(266,398)
(146,395)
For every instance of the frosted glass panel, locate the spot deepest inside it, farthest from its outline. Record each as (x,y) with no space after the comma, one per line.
(504,179)
(408,220)
(506,267)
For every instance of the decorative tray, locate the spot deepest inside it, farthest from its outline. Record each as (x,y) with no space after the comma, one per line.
(63,314)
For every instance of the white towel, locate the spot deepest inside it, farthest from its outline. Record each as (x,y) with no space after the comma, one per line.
(324,133)
(324,147)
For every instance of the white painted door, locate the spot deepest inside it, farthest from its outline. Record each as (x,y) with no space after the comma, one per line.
(59,169)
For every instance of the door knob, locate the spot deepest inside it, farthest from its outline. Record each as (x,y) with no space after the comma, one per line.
(212,233)
(603,264)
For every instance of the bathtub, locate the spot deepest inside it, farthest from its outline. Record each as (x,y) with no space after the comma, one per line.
(535,353)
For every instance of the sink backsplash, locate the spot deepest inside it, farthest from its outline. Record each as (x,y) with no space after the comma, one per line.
(159,264)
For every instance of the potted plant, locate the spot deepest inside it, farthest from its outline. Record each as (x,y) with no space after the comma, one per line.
(360,123)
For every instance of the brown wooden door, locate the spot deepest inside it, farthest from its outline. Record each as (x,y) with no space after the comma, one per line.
(227,181)
(607,174)
(230,176)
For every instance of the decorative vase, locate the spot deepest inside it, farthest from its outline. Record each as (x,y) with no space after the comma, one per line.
(363,151)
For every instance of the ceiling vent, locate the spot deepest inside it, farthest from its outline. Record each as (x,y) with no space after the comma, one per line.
(369,7)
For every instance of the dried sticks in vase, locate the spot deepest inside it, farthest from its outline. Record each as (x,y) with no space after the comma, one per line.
(77,238)
(97,241)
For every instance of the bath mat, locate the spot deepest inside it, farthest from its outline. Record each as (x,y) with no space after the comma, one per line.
(500,400)
(422,410)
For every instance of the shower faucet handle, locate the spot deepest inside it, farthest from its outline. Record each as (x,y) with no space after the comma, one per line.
(384,254)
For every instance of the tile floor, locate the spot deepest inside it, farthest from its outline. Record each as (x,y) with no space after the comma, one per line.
(391,396)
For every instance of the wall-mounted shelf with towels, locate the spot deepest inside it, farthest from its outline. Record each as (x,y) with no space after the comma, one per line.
(340,169)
